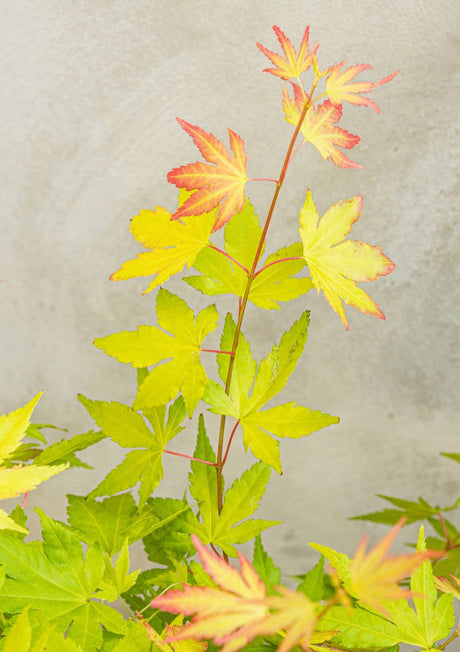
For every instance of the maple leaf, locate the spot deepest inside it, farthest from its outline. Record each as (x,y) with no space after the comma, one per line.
(149,345)
(291,65)
(319,128)
(336,265)
(172,245)
(19,479)
(238,609)
(129,429)
(340,90)
(220,181)
(56,580)
(287,420)
(373,578)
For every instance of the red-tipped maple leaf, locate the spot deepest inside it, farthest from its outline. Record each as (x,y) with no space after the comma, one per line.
(340,90)
(239,609)
(336,264)
(373,578)
(292,65)
(318,127)
(220,181)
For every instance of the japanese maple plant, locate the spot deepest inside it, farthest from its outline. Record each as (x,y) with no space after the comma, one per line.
(74,590)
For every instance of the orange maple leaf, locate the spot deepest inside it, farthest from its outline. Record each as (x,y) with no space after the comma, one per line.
(318,127)
(220,181)
(340,90)
(373,578)
(238,609)
(292,65)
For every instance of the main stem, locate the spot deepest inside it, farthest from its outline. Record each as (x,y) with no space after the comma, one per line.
(244,300)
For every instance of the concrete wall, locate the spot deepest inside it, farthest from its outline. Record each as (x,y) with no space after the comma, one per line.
(90,93)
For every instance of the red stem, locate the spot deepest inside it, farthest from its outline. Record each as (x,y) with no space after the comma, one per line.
(217,351)
(264,179)
(275,262)
(189,457)
(229,442)
(221,251)
(243,302)
(24,500)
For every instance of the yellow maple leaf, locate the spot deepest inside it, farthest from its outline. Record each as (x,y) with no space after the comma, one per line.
(19,479)
(335,264)
(171,245)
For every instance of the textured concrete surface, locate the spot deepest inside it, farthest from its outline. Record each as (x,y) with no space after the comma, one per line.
(90,92)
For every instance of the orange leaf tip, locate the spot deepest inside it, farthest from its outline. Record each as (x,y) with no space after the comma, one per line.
(340,89)
(221,180)
(292,64)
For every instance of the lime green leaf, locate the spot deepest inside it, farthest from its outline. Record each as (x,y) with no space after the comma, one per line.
(338,560)
(129,429)
(313,582)
(218,274)
(242,235)
(149,345)
(59,583)
(264,565)
(136,640)
(240,502)
(117,579)
(359,628)
(263,446)
(452,456)
(203,479)
(276,282)
(289,420)
(411,510)
(62,450)
(111,521)
(7,523)
(275,369)
(19,637)
(244,366)
(172,540)
(436,618)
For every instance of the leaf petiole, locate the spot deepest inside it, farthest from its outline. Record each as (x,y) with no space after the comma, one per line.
(188,457)
(224,253)
(275,262)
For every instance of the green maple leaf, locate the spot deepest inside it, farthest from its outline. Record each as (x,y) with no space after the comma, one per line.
(129,429)
(203,479)
(149,345)
(171,543)
(241,500)
(58,582)
(287,420)
(64,450)
(113,520)
(264,565)
(432,619)
(276,282)
(219,275)
(359,629)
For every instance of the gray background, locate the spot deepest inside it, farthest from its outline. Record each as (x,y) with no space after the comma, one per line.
(90,93)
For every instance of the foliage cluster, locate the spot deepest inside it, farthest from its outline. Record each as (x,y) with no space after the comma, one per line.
(73,590)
